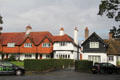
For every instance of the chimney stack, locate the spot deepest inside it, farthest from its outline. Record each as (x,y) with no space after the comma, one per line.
(28,30)
(61,31)
(76,35)
(110,36)
(86,33)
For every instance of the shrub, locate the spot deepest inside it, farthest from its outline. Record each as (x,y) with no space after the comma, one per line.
(46,64)
(83,65)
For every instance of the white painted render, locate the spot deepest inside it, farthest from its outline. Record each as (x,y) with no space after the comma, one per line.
(0,56)
(22,57)
(114,60)
(102,55)
(68,49)
(68,46)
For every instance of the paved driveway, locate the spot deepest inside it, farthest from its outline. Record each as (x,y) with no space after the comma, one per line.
(63,75)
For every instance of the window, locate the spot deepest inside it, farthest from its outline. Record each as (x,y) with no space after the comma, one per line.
(62,43)
(63,56)
(94,44)
(110,58)
(94,58)
(11,45)
(48,56)
(28,45)
(28,55)
(46,45)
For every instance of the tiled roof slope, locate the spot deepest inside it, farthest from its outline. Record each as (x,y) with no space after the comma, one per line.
(62,38)
(113,47)
(36,37)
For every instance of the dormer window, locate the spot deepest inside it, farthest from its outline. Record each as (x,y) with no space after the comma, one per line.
(28,45)
(46,45)
(94,44)
(11,45)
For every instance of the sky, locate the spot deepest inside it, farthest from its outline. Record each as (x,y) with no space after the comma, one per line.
(51,15)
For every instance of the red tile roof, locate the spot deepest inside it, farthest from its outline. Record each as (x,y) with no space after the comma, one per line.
(36,37)
(62,38)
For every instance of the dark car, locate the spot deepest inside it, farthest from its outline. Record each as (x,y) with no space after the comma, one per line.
(9,68)
(105,68)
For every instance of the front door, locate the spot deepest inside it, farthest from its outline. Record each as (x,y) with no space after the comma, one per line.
(40,56)
(36,55)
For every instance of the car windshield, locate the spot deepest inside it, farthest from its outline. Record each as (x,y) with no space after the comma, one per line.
(5,64)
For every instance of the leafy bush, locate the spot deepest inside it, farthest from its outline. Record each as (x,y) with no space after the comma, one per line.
(46,64)
(83,65)
(118,63)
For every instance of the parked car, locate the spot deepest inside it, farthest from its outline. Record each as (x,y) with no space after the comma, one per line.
(105,68)
(9,68)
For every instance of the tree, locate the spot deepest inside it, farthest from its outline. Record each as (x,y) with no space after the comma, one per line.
(1,22)
(111,8)
(116,32)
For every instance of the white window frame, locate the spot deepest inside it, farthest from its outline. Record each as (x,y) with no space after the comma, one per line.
(46,45)
(94,44)
(10,44)
(27,45)
(94,58)
(110,58)
(63,43)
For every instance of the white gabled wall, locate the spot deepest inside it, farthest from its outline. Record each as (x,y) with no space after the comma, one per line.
(68,49)
(68,46)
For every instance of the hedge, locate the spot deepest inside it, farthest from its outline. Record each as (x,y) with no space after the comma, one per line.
(83,65)
(46,64)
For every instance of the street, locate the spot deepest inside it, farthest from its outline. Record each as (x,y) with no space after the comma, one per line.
(63,75)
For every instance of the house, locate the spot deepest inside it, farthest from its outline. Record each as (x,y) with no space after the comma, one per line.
(100,50)
(113,51)
(94,48)
(66,47)
(37,45)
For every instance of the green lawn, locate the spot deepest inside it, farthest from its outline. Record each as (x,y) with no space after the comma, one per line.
(18,63)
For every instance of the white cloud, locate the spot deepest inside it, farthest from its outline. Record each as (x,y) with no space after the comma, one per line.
(49,15)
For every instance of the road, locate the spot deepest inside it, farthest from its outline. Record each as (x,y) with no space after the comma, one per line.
(63,75)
